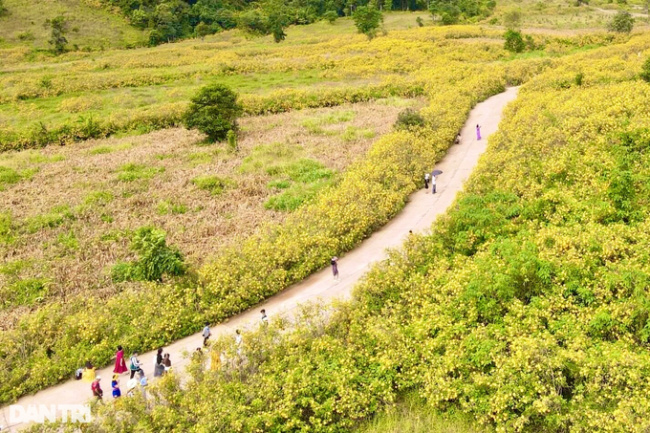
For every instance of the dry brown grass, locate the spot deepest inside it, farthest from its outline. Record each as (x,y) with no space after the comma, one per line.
(76,255)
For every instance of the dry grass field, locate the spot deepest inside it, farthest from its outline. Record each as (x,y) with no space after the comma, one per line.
(68,212)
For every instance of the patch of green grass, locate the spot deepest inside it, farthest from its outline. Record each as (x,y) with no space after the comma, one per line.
(200,158)
(99,198)
(213,184)
(52,219)
(279,184)
(6,228)
(104,149)
(300,182)
(266,155)
(68,242)
(353,133)
(295,196)
(132,172)
(8,176)
(28,291)
(315,124)
(166,207)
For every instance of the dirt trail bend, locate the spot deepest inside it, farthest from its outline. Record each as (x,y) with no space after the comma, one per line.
(418,215)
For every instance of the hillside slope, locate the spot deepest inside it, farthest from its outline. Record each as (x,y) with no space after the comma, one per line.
(90,26)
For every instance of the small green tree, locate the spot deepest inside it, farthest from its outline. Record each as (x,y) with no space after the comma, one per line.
(514,41)
(622,22)
(59,27)
(155,258)
(645,70)
(330,16)
(214,111)
(419,21)
(3,10)
(202,30)
(368,19)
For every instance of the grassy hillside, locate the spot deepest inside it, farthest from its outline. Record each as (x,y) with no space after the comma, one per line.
(92,95)
(526,308)
(90,26)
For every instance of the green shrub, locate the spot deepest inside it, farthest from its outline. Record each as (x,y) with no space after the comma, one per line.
(214,111)
(622,22)
(367,19)
(213,184)
(409,119)
(8,176)
(330,16)
(155,258)
(514,41)
(131,172)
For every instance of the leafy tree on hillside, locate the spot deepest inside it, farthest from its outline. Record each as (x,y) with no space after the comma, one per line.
(514,41)
(452,11)
(214,111)
(202,30)
(368,19)
(59,27)
(330,16)
(623,22)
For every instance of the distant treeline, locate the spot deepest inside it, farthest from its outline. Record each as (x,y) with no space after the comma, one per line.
(170,20)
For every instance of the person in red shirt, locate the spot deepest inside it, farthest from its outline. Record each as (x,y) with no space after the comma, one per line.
(97,389)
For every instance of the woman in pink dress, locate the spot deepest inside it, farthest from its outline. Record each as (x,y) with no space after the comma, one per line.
(120,364)
(478,132)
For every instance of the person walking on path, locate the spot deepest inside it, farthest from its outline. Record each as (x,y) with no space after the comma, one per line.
(116,386)
(335,267)
(426,181)
(206,334)
(131,385)
(433,184)
(167,362)
(120,363)
(457,141)
(158,367)
(264,318)
(478,132)
(239,341)
(97,389)
(135,365)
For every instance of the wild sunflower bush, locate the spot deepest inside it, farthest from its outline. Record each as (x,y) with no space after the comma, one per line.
(366,197)
(526,308)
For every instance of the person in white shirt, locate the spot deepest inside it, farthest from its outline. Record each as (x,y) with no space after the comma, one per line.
(264,318)
(433,184)
(239,340)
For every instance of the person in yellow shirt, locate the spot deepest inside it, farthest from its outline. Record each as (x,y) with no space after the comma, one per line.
(88,374)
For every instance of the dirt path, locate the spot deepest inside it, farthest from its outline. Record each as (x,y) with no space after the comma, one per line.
(615,11)
(418,215)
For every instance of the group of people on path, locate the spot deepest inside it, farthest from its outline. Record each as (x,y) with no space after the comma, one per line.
(431,178)
(161,365)
(162,362)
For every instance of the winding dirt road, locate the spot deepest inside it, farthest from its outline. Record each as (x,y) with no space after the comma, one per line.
(418,215)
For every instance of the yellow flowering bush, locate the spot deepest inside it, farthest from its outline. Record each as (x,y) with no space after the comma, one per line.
(526,308)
